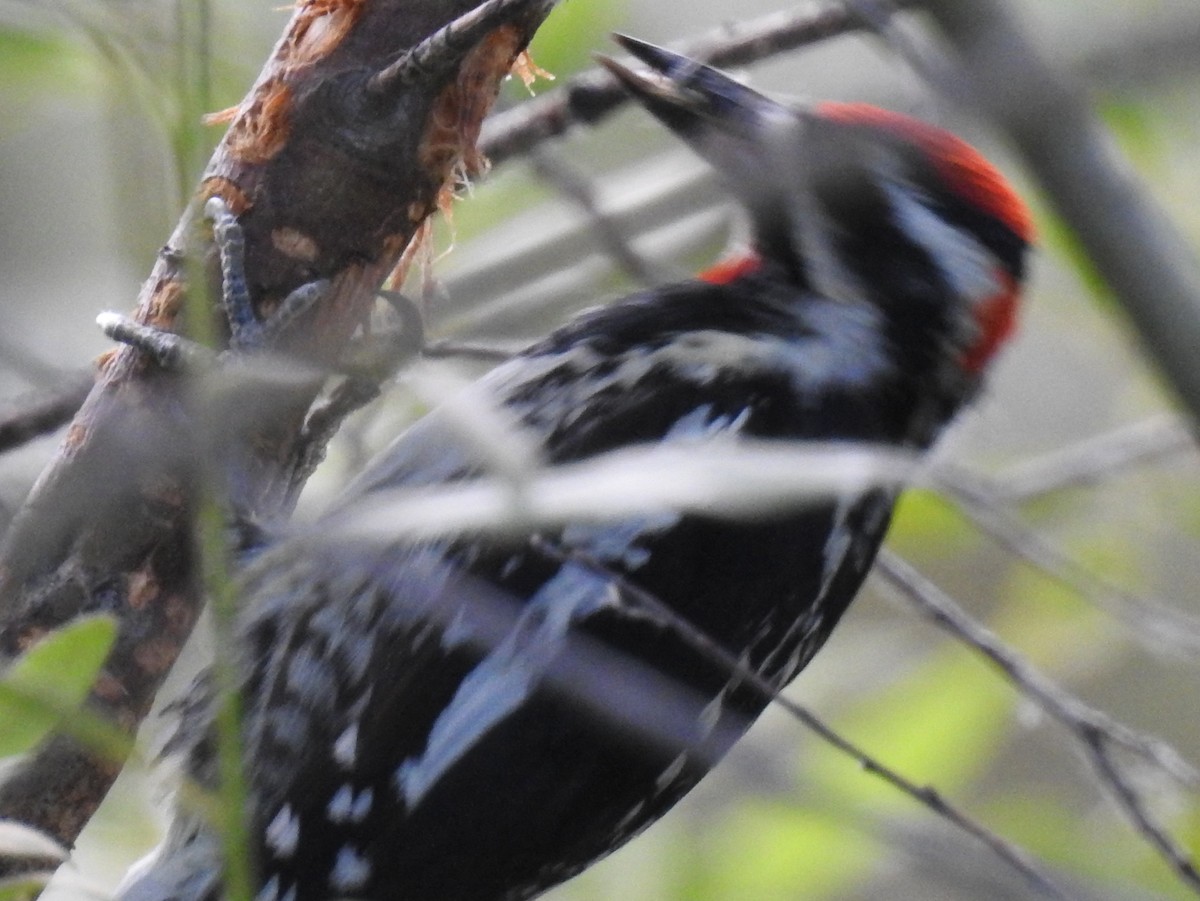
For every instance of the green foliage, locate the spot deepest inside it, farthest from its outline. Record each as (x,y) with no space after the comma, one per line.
(23,889)
(564,44)
(926,524)
(780,851)
(49,682)
(32,62)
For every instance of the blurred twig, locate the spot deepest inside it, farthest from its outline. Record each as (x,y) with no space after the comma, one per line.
(1096,732)
(591,96)
(580,190)
(1159,624)
(1130,241)
(38,414)
(749,479)
(1094,460)
(927,796)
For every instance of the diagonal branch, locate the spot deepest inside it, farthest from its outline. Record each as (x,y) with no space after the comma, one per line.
(1128,238)
(1095,731)
(927,796)
(327,182)
(1156,623)
(1094,460)
(591,96)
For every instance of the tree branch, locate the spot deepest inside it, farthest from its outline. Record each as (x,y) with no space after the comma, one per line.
(1128,238)
(329,181)
(927,796)
(593,95)
(1096,732)
(30,416)
(1159,625)
(1095,460)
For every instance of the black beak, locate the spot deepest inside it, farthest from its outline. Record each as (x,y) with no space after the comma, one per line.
(727,123)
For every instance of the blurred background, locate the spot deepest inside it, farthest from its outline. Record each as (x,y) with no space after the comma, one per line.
(91,184)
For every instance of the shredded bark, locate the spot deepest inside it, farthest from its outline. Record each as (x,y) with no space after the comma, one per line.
(329,181)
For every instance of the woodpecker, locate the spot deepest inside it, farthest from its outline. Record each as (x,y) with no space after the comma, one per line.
(445,720)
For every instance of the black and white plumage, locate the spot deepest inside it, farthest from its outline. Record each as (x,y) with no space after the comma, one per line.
(465,719)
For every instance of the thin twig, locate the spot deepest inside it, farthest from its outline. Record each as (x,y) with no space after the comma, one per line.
(1094,730)
(322,424)
(935,604)
(591,96)
(1094,460)
(446,348)
(576,186)
(29,365)
(440,51)
(702,643)
(33,416)
(1130,802)
(1157,623)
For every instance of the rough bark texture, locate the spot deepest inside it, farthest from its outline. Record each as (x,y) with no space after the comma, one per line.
(330,180)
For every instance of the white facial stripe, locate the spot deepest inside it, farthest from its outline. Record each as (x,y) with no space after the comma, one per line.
(969,267)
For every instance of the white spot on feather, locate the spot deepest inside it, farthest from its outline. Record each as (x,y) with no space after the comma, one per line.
(283,833)
(351,870)
(670,774)
(345,749)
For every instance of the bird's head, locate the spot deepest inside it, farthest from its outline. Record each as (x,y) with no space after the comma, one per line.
(855,202)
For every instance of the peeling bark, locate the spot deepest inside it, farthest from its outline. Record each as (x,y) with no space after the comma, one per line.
(331,169)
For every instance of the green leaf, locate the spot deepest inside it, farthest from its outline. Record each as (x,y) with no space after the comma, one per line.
(50,680)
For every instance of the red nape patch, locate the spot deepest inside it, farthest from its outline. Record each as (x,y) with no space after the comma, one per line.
(997,320)
(961,165)
(731,268)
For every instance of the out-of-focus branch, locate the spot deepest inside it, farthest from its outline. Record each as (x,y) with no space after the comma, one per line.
(928,797)
(1159,625)
(589,97)
(1096,732)
(1128,238)
(580,190)
(29,417)
(1095,460)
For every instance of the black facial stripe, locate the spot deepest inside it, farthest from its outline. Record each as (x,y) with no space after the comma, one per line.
(991,231)
(994,234)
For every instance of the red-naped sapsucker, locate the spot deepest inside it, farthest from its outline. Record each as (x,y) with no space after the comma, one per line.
(458,719)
